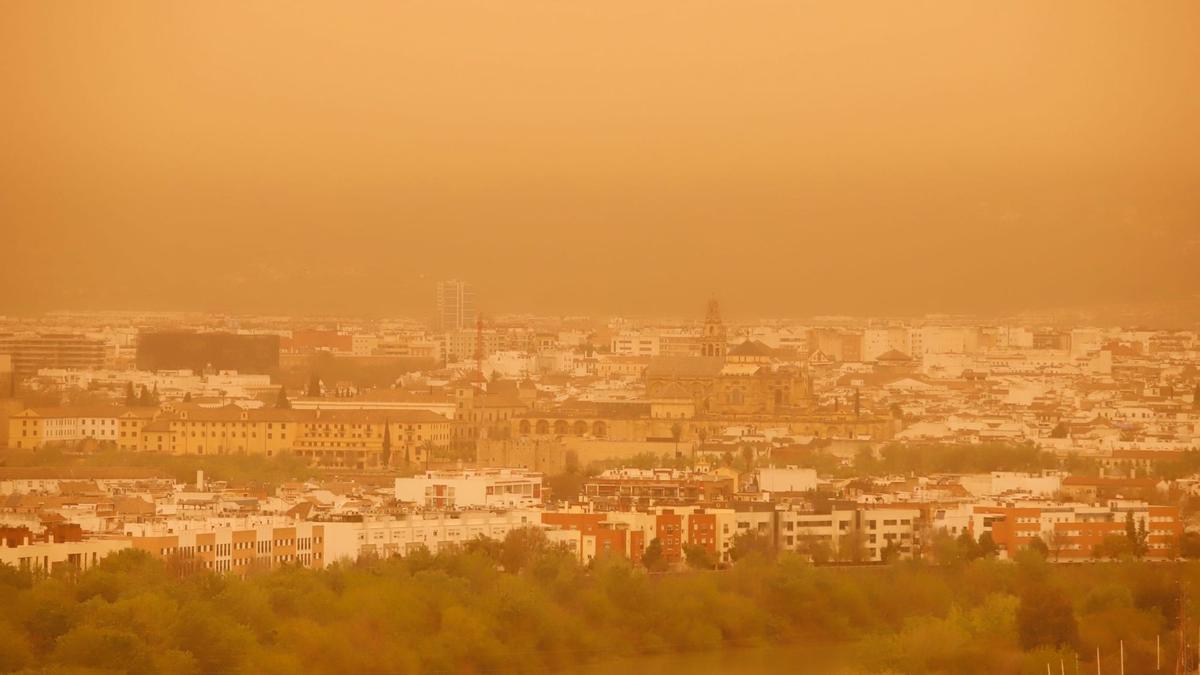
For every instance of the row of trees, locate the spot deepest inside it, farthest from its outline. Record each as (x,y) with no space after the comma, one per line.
(524,605)
(236,469)
(926,458)
(141,396)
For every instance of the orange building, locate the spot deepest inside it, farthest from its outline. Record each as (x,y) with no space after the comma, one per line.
(600,537)
(1072,531)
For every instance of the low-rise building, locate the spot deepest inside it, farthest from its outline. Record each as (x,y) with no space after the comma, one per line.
(235,546)
(476,488)
(47,553)
(433,531)
(631,489)
(1072,531)
(120,426)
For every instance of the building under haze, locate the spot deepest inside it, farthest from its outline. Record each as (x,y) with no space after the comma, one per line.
(7,381)
(32,352)
(199,352)
(454,306)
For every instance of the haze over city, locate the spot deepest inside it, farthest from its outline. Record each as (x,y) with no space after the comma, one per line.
(796,158)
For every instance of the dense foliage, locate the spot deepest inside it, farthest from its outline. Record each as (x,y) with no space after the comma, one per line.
(926,458)
(524,606)
(237,469)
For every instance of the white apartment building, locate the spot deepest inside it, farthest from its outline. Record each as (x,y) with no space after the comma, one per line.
(636,344)
(788,479)
(874,526)
(883,526)
(363,344)
(42,558)
(475,488)
(879,341)
(386,537)
(233,544)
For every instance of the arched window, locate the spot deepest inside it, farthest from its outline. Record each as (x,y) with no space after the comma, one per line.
(560,427)
(524,427)
(543,427)
(599,429)
(580,427)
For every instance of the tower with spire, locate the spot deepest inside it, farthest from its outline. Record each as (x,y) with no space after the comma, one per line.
(713,341)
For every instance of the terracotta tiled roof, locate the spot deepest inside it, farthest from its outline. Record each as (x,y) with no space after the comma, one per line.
(752,348)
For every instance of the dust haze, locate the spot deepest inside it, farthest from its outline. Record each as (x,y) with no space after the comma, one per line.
(599,157)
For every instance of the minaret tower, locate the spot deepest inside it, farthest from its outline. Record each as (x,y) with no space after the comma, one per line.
(713,341)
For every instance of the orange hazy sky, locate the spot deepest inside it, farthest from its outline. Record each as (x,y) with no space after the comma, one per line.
(791,157)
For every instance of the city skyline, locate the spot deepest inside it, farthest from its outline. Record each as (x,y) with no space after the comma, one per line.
(589,338)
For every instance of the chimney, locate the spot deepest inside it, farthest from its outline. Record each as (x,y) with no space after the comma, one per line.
(200,480)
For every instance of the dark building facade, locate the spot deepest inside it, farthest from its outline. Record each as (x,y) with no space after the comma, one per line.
(177,350)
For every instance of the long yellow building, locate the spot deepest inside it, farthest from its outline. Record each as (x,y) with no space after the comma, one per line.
(119,426)
(344,438)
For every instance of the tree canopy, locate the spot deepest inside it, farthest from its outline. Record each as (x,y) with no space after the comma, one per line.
(525,604)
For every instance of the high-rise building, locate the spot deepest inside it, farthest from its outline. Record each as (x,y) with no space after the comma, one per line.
(454,306)
(31,352)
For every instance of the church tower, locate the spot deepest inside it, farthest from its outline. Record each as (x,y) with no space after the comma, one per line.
(713,341)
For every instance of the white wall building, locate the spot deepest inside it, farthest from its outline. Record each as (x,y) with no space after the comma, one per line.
(636,344)
(385,537)
(476,488)
(43,557)
(789,479)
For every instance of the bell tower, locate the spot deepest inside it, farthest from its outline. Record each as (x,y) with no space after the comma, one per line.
(713,341)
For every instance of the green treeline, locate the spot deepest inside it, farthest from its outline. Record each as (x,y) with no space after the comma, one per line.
(236,469)
(524,606)
(925,458)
